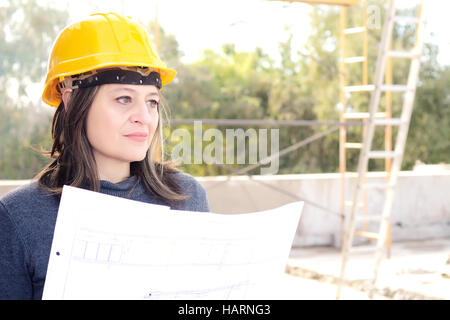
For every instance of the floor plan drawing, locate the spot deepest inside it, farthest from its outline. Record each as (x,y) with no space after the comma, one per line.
(106,247)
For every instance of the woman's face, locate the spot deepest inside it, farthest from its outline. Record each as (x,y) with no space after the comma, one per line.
(122,121)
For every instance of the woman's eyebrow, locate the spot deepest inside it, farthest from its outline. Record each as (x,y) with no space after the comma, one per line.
(126,89)
(132,90)
(153,94)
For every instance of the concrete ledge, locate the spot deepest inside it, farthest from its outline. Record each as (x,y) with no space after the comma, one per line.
(421,209)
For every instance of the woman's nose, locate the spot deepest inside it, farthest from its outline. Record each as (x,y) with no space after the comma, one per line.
(141,113)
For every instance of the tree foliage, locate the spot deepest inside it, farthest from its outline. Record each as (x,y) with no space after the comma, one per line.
(26,34)
(229,84)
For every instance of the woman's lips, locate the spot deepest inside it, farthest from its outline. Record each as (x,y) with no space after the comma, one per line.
(139,137)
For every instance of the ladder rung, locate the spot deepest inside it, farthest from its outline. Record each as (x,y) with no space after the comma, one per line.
(371,87)
(381,154)
(350,203)
(368,218)
(394,87)
(362,115)
(406,19)
(353,145)
(403,54)
(354,30)
(366,234)
(388,122)
(368,87)
(354,59)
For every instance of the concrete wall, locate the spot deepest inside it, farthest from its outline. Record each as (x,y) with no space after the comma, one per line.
(421,208)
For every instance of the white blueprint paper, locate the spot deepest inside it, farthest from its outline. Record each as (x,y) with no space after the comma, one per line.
(107,247)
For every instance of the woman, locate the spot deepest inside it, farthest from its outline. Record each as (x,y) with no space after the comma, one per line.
(105,80)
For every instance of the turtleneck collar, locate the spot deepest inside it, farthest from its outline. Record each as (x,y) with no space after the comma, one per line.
(122,188)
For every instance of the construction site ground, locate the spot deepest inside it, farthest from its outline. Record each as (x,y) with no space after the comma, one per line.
(416,270)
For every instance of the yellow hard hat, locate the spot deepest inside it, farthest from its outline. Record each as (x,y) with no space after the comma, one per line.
(102,40)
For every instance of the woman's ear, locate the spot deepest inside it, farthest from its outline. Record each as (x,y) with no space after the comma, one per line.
(67,93)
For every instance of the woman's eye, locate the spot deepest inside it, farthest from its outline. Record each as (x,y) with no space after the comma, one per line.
(153,103)
(124,99)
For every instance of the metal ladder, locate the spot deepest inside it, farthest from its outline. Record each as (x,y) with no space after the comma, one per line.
(372,121)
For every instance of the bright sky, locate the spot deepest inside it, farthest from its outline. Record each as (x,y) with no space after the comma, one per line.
(201,24)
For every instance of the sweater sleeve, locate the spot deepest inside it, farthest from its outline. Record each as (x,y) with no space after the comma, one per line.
(15,282)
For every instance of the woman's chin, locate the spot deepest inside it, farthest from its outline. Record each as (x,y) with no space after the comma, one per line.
(133,156)
(138,158)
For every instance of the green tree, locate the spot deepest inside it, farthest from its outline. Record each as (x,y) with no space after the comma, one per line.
(26,34)
(429,134)
(232,85)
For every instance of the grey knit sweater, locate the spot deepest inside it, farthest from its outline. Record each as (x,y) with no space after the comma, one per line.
(27,221)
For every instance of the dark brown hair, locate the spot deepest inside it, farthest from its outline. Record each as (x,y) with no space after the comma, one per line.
(74,163)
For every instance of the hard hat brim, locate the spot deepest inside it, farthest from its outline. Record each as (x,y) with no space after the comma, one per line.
(51,95)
